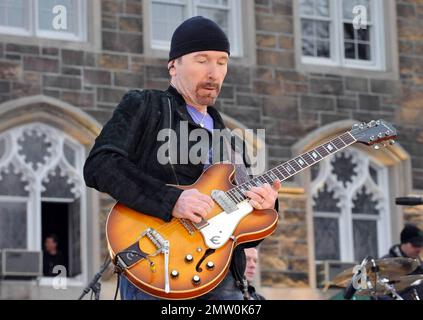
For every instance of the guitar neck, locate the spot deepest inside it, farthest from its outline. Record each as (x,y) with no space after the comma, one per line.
(290,168)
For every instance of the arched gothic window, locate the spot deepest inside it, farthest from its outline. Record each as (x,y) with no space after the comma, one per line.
(350,207)
(41,191)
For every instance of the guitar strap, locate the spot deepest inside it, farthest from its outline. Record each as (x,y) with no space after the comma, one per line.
(241,176)
(236,157)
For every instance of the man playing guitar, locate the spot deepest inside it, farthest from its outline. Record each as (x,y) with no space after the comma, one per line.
(124,160)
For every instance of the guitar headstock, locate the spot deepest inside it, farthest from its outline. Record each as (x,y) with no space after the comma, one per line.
(375,133)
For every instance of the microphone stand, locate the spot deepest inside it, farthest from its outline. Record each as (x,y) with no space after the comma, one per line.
(94,285)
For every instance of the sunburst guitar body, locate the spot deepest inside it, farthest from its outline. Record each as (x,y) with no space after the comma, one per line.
(198,254)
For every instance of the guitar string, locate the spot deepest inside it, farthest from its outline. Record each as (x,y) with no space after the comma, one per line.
(170,224)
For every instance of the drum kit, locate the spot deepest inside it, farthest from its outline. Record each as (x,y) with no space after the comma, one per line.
(377,278)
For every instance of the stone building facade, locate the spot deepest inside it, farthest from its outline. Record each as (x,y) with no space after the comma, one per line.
(298,70)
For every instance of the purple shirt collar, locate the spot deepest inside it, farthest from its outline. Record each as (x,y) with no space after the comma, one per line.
(199,118)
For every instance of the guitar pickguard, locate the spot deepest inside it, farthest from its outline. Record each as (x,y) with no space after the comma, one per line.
(221,227)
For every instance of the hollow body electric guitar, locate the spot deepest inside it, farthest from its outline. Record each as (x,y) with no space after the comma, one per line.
(183,260)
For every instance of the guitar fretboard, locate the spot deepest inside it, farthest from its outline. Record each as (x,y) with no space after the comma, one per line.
(292,167)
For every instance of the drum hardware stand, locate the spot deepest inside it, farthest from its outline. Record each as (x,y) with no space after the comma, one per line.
(416,295)
(390,288)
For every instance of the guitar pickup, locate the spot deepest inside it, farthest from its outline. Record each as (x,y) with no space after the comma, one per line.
(226,203)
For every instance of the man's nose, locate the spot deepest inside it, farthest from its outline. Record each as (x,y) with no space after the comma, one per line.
(212,72)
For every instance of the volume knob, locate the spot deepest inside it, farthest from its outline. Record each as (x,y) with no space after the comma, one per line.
(189,258)
(174,273)
(196,280)
(210,265)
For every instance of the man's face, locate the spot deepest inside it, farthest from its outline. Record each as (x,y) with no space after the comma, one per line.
(410,250)
(199,76)
(252,258)
(50,245)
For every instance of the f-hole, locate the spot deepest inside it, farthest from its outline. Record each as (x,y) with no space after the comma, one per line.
(206,254)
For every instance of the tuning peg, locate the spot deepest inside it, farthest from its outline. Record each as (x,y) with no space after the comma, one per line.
(372,124)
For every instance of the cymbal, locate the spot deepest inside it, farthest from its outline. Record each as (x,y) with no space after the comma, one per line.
(400,284)
(388,268)
(405,282)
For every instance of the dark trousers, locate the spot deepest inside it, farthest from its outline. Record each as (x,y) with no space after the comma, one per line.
(226,290)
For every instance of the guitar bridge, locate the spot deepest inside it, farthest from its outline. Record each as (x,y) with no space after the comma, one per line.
(158,241)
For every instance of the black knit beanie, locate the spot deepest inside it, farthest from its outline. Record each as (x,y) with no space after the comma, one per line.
(413,235)
(198,34)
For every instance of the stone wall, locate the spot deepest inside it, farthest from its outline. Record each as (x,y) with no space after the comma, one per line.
(284,255)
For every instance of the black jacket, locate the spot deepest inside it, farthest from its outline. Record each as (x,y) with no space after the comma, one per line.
(50,261)
(123,162)
(254,295)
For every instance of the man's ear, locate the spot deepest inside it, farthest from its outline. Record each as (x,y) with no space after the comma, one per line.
(171,68)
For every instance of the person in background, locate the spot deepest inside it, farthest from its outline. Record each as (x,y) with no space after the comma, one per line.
(51,256)
(410,247)
(250,270)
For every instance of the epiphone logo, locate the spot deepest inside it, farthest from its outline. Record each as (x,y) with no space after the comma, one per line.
(129,256)
(215,240)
